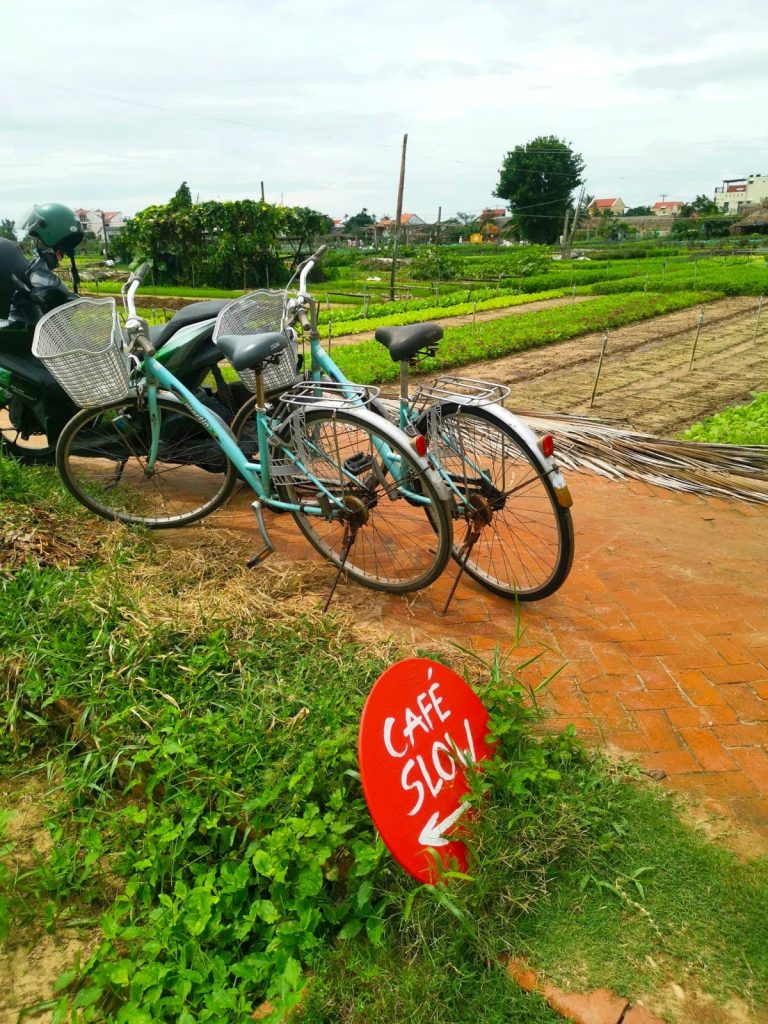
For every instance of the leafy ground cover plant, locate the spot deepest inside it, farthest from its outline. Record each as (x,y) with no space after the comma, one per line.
(741,424)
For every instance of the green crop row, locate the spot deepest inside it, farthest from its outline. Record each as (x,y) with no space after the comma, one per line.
(368,362)
(417,312)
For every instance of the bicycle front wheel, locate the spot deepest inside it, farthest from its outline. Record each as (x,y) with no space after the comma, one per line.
(382,536)
(525,546)
(103,459)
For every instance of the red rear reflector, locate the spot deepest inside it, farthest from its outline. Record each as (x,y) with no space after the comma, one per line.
(419,443)
(548,446)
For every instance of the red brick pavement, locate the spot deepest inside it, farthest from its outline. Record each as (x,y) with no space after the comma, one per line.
(660,632)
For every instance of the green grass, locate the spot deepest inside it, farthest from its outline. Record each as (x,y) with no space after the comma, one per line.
(741,424)
(368,362)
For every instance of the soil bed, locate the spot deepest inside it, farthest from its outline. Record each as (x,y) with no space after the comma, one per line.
(645,381)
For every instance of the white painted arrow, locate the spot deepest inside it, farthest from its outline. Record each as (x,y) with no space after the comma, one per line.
(432,833)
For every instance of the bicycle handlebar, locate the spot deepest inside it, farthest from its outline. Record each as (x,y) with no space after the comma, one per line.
(307,267)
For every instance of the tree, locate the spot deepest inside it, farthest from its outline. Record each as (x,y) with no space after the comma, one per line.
(356,225)
(7,229)
(638,211)
(537,180)
(182,197)
(701,206)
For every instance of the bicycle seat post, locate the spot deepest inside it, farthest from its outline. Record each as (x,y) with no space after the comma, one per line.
(404,397)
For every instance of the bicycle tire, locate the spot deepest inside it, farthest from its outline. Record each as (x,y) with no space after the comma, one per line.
(395,549)
(526,550)
(100,457)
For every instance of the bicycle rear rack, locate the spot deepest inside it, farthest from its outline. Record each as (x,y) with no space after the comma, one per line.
(325,392)
(468,391)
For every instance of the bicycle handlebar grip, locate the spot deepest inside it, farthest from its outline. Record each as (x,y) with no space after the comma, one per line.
(139,274)
(143,342)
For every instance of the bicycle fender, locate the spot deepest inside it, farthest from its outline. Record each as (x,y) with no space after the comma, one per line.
(528,435)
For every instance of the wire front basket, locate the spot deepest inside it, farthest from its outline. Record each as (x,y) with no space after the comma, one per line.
(81,345)
(261,312)
(466,390)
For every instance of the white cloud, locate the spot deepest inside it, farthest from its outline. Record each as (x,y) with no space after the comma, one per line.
(115,106)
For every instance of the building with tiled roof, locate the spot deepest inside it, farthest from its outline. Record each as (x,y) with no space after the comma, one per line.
(613,205)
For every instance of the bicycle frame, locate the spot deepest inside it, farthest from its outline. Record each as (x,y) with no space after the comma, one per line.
(257,475)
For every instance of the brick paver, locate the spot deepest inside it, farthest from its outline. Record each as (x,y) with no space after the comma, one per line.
(662,628)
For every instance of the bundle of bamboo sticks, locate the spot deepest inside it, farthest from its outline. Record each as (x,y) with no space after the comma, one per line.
(722,470)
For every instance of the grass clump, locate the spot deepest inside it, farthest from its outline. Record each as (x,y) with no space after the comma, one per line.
(740,424)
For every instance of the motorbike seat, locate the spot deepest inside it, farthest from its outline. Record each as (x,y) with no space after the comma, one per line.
(192,314)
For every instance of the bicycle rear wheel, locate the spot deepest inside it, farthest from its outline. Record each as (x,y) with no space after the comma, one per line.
(525,547)
(370,467)
(102,459)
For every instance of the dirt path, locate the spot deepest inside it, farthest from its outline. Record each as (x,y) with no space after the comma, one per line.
(645,381)
(480,317)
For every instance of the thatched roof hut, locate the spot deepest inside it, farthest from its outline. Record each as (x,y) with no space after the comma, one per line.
(752,223)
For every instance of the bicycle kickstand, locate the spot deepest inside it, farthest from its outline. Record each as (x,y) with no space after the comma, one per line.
(349,540)
(269,547)
(473,535)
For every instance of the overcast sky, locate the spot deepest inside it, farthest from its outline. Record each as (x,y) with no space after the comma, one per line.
(112,105)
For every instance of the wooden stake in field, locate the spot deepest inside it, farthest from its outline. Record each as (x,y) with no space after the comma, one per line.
(398,215)
(696,339)
(603,346)
(573,295)
(757,322)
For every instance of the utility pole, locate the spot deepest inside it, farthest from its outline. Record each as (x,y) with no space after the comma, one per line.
(439,219)
(398,215)
(262,191)
(576,215)
(104,231)
(565,230)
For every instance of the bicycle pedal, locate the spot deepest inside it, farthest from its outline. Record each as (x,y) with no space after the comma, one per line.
(257,559)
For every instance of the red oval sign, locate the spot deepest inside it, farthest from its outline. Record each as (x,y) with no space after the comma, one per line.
(422,725)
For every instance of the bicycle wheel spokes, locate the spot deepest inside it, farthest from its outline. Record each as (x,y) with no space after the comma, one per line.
(368,477)
(104,460)
(525,546)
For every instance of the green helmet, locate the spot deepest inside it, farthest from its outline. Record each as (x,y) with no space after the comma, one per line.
(55,225)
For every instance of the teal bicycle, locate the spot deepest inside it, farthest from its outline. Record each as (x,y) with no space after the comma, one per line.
(143,450)
(508,499)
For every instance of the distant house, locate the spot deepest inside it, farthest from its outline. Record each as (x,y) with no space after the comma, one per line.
(668,208)
(614,206)
(407,220)
(496,214)
(753,223)
(100,221)
(737,193)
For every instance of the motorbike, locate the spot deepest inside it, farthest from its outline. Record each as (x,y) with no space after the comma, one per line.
(34,408)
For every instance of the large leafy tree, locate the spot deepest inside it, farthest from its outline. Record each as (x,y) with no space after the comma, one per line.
(537,180)
(357,224)
(7,229)
(237,244)
(702,206)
